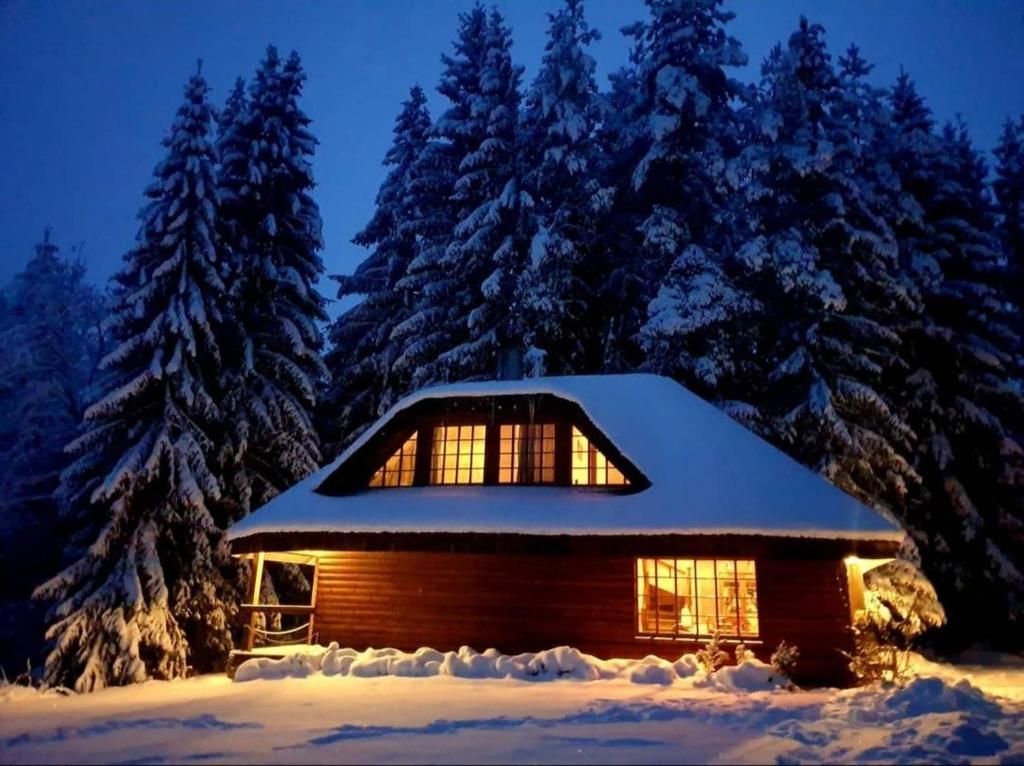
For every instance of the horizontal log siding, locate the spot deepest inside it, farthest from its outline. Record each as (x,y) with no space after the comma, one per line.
(528,602)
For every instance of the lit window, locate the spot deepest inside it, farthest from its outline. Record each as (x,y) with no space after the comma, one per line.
(697,597)
(590,466)
(398,471)
(526,454)
(458,455)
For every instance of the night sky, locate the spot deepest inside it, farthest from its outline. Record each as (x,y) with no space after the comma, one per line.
(87,88)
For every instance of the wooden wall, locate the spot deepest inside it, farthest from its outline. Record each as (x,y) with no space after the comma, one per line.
(529,602)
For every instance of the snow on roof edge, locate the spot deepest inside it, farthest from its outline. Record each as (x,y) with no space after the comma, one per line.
(765,491)
(894,536)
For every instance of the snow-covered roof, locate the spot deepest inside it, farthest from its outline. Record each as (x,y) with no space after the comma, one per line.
(708,474)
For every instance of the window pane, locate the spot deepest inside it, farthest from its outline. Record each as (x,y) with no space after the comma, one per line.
(706,598)
(527,454)
(589,465)
(747,585)
(399,469)
(458,455)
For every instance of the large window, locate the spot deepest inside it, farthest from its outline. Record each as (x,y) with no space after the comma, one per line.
(457,455)
(526,454)
(697,597)
(400,468)
(590,466)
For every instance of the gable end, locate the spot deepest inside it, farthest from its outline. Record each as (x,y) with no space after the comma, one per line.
(354,474)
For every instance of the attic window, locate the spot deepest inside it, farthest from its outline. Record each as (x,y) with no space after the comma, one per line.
(590,466)
(526,454)
(457,455)
(399,469)
(695,598)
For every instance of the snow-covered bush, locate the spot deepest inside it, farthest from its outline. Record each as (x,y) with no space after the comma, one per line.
(899,606)
(743,653)
(785,658)
(711,656)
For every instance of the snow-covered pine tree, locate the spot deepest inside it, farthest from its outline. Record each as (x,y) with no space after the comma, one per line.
(962,392)
(1008,186)
(489,242)
(234,107)
(429,283)
(146,599)
(556,305)
(682,54)
(271,234)
(622,140)
(824,262)
(52,344)
(363,352)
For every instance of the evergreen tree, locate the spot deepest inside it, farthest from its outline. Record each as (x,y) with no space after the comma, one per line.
(234,107)
(622,140)
(1008,186)
(430,284)
(147,598)
(363,351)
(824,264)
(961,393)
(486,251)
(271,232)
(682,55)
(427,284)
(52,344)
(556,290)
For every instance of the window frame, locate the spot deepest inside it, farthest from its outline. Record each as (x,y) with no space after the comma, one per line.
(516,459)
(594,457)
(432,441)
(355,473)
(752,637)
(402,471)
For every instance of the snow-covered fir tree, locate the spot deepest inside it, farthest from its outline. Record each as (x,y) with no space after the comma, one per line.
(491,209)
(427,284)
(363,351)
(1008,186)
(52,344)
(682,55)
(146,600)
(962,390)
(621,141)
(271,237)
(556,300)
(234,106)
(824,264)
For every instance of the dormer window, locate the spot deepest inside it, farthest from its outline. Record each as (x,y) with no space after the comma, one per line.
(457,454)
(589,465)
(400,468)
(526,454)
(507,441)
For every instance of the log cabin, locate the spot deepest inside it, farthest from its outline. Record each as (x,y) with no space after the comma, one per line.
(619,514)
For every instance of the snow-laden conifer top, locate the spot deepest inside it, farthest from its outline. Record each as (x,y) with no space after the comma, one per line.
(708,474)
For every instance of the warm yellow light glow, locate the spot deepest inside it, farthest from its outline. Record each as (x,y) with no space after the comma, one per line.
(457,456)
(400,468)
(697,597)
(526,454)
(856,568)
(590,466)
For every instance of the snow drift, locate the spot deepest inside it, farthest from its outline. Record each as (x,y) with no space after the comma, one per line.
(562,662)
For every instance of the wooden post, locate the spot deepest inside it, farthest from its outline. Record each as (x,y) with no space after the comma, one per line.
(255,581)
(312,601)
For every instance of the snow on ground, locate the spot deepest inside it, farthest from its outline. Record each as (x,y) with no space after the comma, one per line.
(390,719)
(560,663)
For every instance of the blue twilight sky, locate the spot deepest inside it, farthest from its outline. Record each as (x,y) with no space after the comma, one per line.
(88,87)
